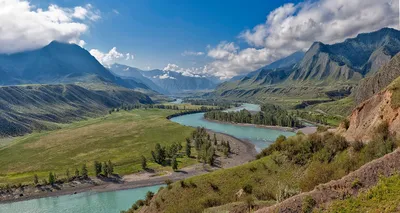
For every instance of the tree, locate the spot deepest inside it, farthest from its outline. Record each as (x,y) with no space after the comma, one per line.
(110,168)
(174,164)
(35,179)
(144,163)
(84,171)
(76,173)
(105,169)
(188,148)
(215,139)
(67,174)
(97,168)
(52,179)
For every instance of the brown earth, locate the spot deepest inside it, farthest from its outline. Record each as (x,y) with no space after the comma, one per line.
(369,115)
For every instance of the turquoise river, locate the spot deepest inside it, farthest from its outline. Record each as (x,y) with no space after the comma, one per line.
(115,201)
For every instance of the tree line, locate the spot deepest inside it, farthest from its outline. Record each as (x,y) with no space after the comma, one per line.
(269,115)
(105,169)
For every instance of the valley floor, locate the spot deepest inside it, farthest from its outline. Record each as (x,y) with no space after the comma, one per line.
(242,152)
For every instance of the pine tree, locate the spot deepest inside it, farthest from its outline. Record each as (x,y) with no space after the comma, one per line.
(84,171)
(105,169)
(35,179)
(188,148)
(97,168)
(174,164)
(144,163)
(67,174)
(110,168)
(52,179)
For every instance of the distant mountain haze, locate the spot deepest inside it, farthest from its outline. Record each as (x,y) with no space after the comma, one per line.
(58,63)
(166,82)
(338,67)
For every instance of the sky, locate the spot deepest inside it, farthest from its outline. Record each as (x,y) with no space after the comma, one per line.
(221,38)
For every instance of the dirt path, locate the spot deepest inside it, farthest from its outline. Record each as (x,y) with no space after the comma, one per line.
(242,152)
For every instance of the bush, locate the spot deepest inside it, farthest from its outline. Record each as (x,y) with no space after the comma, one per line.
(356,184)
(316,173)
(308,204)
(357,146)
(248,188)
(211,202)
(264,194)
(140,203)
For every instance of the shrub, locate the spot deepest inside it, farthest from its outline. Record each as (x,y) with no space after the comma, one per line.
(140,203)
(356,184)
(248,188)
(357,146)
(316,173)
(322,129)
(214,186)
(308,204)
(149,196)
(264,194)
(211,202)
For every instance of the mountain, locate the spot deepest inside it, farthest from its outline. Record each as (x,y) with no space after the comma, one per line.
(24,109)
(281,63)
(383,108)
(324,70)
(379,81)
(166,82)
(57,63)
(127,72)
(348,61)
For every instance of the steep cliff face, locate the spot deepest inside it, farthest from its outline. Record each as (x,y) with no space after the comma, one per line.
(383,107)
(377,82)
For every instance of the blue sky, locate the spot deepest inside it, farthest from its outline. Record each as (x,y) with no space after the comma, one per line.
(221,38)
(157,32)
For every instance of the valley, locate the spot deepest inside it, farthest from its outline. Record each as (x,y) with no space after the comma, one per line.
(192,107)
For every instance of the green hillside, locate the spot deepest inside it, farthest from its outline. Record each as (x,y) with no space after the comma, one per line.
(24,109)
(121,137)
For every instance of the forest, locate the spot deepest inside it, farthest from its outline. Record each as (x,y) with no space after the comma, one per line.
(269,115)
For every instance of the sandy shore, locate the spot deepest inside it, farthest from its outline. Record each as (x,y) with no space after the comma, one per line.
(242,152)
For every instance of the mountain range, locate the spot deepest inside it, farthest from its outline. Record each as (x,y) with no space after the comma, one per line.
(323,70)
(165,82)
(58,63)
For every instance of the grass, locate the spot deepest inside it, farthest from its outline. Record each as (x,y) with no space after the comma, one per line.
(121,137)
(220,187)
(340,107)
(384,197)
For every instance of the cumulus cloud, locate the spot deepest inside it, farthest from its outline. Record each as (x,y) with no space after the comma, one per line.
(191,53)
(24,26)
(294,27)
(110,57)
(129,56)
(165,76)
(190,72)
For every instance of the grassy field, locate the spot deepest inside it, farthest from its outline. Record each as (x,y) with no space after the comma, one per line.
(220,187)
(384,197)
(121,137)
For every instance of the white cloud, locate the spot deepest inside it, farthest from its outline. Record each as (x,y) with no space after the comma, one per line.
(112,56)
(129,56)
(115,11)
(191,53)
(23,26)
(165,76)
(294,27)
(191,72)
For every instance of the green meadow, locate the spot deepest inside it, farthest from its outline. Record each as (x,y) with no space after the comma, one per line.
(122,137)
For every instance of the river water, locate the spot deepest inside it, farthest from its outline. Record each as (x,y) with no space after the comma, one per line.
(110,202)
(260,137)
(87,202)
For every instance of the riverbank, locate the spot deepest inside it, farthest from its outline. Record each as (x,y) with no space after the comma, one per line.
(305,130)
(242,152)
